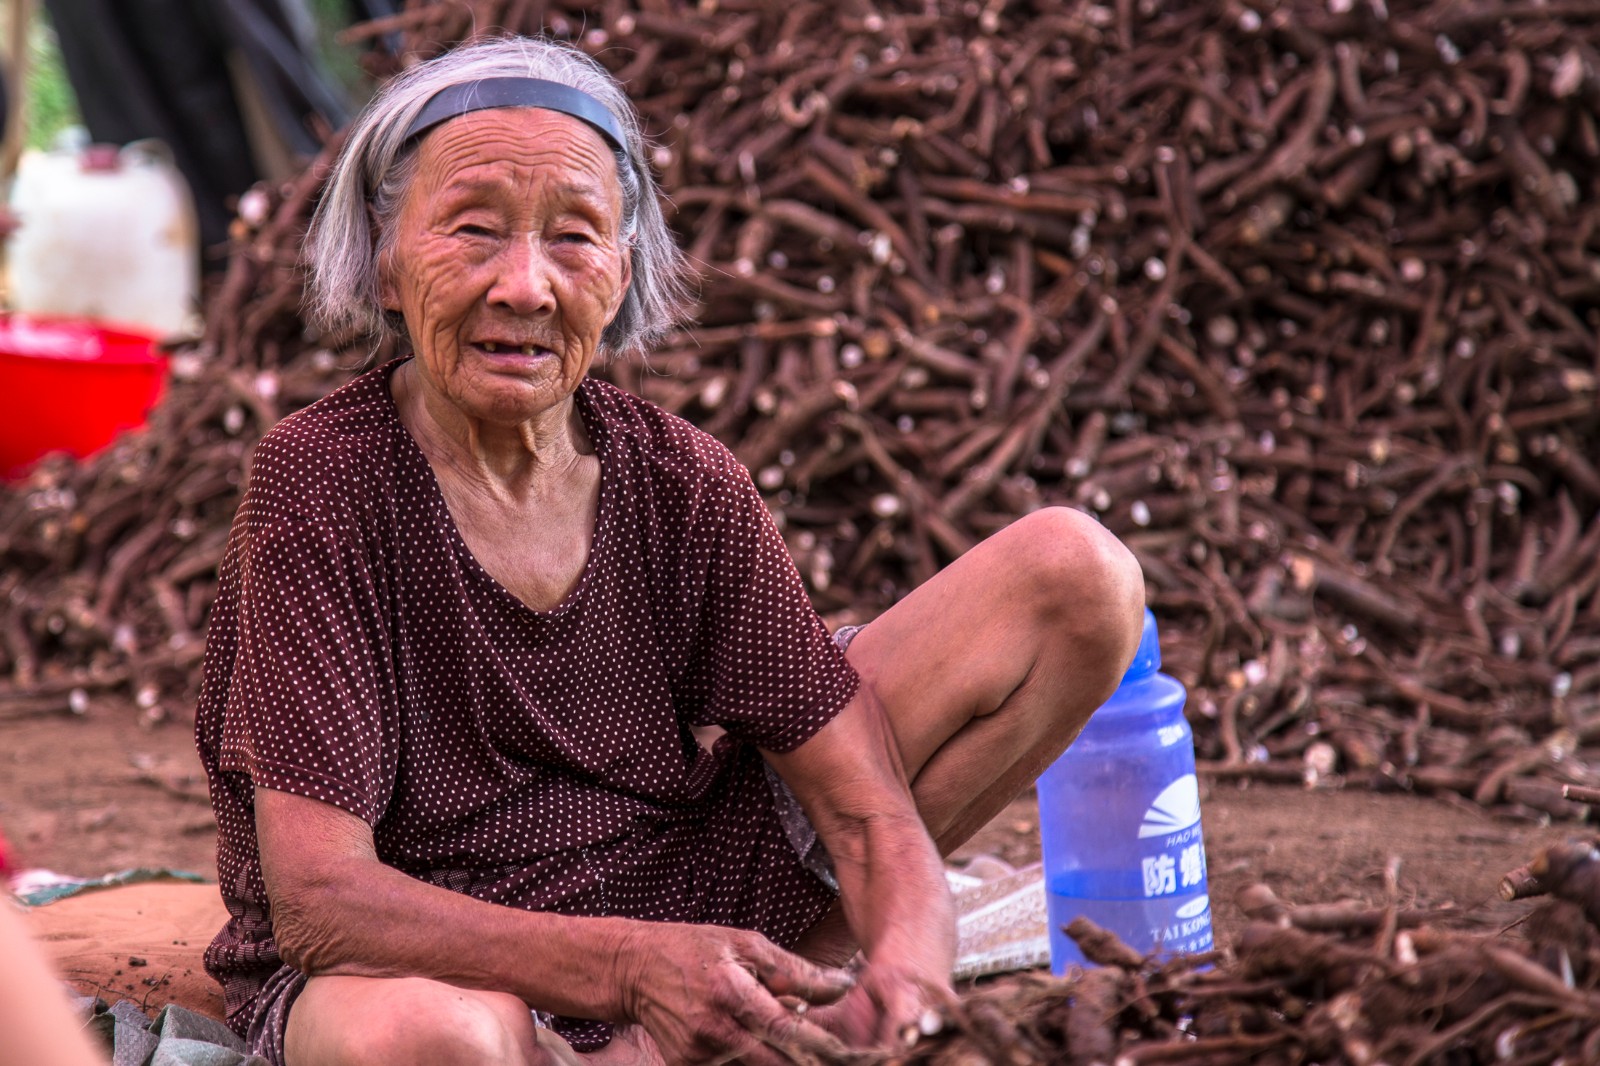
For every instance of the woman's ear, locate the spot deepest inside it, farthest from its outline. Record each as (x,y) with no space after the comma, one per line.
(627,279)
(388,293)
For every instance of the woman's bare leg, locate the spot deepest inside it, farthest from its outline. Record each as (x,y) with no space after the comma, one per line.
(394,1021)
(990,669)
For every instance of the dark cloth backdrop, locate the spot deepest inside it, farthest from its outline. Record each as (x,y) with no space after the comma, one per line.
(171,69)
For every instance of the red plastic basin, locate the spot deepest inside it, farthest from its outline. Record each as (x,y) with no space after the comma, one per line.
(71,385)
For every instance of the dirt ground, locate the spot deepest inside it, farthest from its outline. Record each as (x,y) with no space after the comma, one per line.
(92,794)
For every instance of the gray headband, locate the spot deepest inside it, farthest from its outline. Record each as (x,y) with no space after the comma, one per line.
(487,93)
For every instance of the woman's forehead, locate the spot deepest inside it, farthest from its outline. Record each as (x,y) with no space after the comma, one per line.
(514,144)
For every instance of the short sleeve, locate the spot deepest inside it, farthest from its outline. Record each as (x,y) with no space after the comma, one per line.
(775,674)
(305,703)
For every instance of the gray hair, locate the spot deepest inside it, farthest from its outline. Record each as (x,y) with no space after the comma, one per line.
(374,169)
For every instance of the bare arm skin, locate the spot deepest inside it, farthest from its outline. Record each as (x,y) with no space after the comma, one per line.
(850,779)
(701,992)
(38,1025)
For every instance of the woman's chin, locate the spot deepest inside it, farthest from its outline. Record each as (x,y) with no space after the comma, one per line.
(509,399)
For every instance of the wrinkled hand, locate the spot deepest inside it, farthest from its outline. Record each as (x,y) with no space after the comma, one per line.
(707,994)
(889,1007)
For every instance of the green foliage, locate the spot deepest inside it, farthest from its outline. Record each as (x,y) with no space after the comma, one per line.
(50,104)
(339,60)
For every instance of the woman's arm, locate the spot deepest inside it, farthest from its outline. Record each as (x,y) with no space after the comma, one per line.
(336,909)
(700,991)
(38,1024)
(850,780)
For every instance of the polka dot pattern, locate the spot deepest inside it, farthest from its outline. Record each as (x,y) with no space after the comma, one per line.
(359,655)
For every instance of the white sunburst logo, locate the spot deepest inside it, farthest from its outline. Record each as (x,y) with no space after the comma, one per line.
(1176,809)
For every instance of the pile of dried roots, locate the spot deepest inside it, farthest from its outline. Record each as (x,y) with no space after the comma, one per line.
(1300,297)
(1343,985)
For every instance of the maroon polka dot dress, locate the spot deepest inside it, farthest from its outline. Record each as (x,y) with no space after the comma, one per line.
(358,654)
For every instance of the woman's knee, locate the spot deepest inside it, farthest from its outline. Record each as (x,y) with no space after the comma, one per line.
(427,1022)
(1079,578)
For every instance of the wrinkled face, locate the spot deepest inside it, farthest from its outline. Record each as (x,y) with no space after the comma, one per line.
(507,259)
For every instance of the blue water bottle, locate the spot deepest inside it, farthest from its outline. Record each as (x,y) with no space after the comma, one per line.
(1119,821)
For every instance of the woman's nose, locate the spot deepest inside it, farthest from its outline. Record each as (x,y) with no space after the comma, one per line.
(522,281)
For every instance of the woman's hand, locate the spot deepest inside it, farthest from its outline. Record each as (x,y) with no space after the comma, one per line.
(707,994)
(889,1008)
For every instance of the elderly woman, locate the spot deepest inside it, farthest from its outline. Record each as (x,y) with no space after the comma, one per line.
(517,718)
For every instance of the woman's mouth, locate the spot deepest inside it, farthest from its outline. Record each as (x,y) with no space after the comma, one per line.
(505,348)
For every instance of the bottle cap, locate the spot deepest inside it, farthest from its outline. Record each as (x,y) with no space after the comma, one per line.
(1147,660)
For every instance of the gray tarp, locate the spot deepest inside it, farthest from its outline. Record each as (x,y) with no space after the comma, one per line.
(177,1037)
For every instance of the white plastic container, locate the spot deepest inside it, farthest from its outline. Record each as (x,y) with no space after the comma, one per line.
(105,233)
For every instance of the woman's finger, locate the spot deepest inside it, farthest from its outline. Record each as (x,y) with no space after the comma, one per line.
(906,1009)
(786,974)
(787,1031)
(780,1026)
(760,1055)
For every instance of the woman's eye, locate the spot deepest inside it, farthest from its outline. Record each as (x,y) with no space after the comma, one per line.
(574,237)
(472,229)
